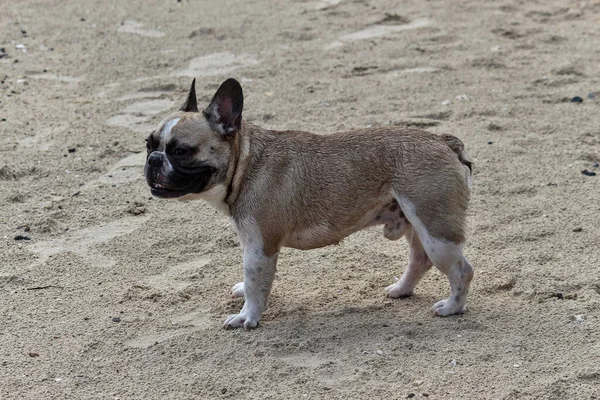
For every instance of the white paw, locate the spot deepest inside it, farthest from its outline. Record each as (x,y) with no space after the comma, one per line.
(398,290)
(241,320)
(448,306)
(237,290)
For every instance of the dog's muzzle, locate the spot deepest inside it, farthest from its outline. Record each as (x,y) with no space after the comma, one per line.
(157,179)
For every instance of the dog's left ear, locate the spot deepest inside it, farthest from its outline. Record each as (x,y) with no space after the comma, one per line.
(191,104)
(225,109)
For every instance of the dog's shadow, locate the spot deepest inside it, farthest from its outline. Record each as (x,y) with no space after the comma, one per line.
(409,318)
(339,345)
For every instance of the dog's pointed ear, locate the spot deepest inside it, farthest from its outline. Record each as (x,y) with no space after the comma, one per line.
(225,109)
(191,104)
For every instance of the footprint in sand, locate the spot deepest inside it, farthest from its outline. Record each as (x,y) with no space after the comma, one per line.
(377,31)
(326,370)
(174,280)
(41,140)
(217,64)
(54,77)
(175,277)
(415,70)
(83,241)
(181,325)
(135,116)
(326,4)
(150,92)
(126,170)
(137,28)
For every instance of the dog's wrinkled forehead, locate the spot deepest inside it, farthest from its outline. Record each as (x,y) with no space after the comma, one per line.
(180,127)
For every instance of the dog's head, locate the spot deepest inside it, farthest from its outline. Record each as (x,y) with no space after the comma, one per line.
(190,151)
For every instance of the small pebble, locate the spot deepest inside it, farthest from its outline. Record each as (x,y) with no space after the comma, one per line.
(576,99)
(596,165)
(380,352)
(410,396)
(418,382)
(490,142)
(453,363)
(579,318)
(577,229)
(425,394)
(591,95)
(116,319)
(224,390)
(72,150)
(22,237)
(32,354)
(560,296)
(588,173)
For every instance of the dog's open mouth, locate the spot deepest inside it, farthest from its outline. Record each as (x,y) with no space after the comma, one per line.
(159,190)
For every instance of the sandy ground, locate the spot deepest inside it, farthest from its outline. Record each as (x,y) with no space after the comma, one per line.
(92,78)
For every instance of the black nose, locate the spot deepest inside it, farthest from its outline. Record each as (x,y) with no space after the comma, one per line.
(155,160)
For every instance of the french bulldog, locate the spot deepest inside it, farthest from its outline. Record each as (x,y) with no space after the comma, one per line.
(304,190)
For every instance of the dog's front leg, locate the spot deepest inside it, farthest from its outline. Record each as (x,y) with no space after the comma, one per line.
(259,272)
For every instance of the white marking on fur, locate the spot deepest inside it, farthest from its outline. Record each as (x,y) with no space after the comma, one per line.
(469,178)
(166,130)
(214,196)
(245,146)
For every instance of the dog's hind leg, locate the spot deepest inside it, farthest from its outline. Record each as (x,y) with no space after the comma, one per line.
(417,267)
(445,254)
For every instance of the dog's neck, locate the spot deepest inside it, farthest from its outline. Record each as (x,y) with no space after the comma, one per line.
(236,151)
(240,150)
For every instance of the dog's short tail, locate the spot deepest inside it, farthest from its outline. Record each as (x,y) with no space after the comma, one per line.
(458,147)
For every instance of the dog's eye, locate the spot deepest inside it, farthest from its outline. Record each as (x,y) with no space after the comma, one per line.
(180,152)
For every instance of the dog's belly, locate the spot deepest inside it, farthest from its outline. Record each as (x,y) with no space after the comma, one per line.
(313,237)
(390,215)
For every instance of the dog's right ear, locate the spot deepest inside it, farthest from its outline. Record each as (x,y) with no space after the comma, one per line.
(191,104)
(225,109)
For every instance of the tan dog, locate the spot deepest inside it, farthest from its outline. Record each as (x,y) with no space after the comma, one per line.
(303,190)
